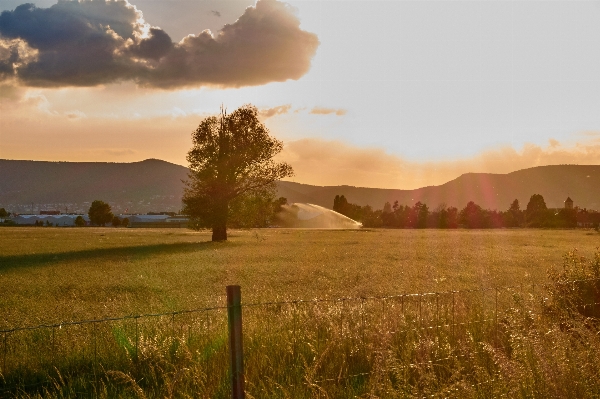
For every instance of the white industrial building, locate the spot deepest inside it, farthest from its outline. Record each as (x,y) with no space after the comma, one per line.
(147,218)
(56,220)
(156,221)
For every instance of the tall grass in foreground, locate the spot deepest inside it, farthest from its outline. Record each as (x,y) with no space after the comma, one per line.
(514,342)
(458,347)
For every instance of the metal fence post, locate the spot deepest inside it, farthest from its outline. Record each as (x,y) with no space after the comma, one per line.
(234,317)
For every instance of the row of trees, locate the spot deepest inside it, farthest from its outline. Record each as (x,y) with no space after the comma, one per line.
(472,215)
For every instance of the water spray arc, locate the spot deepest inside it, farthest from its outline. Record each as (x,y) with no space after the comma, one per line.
(314,216)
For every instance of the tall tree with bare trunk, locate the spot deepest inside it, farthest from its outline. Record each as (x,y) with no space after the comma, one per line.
(231,159)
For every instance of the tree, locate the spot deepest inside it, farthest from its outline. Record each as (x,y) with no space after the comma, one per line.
(422,211)
(515,207)
(536,211)
(125,222)
(255,210)
(3,213)
(230,161)
(279,203)
(568,217)
(472,216)
(441,216)
(387,215)
(341,205)
(79,221)
(116,222)
(100,213)
(513,217)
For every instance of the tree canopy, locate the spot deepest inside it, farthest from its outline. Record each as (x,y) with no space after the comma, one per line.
(100,213)
(536,211)
(79,221)
(231,165)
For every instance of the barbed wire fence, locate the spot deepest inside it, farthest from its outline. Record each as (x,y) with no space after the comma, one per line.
(330,342)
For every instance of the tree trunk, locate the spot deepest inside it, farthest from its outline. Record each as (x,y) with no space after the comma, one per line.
(219,227)
(219,232)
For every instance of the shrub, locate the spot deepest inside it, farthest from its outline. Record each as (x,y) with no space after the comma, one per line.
(576,288)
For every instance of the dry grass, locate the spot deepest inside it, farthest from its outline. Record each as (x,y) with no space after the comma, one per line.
(58,274)
(442,346)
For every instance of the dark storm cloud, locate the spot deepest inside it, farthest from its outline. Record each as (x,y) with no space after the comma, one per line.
(86,43)
(71,43)
(155,47)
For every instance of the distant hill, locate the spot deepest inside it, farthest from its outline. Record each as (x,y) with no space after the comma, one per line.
(155,185)
(150,185)
(491,191)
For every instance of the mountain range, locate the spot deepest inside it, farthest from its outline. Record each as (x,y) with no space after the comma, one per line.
(155,185)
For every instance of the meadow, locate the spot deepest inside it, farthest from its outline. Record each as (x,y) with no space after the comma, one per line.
(51,275)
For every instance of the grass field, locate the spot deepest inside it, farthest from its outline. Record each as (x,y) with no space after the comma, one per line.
(60,274)
(379,348)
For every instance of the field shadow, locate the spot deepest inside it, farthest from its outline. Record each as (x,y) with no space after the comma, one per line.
(104,254)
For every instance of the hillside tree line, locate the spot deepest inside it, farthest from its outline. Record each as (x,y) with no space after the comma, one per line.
(472,216)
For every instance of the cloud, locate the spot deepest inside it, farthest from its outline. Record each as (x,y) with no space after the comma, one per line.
(10,92)
(269,112)
(327,111)
(177,112)
(88,43)
(323,162)
(36,100)
(154,47)
(75,115)
(215,13)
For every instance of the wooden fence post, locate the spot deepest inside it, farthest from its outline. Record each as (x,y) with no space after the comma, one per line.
(234,316)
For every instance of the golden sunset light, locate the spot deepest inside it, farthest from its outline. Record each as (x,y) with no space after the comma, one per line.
(299,199)
(431,86)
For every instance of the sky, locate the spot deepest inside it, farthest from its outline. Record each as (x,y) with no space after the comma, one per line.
(391,94)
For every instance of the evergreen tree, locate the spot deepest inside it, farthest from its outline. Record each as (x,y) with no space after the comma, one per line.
(537,212)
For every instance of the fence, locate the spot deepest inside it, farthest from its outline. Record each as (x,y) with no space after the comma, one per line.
(302,348)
